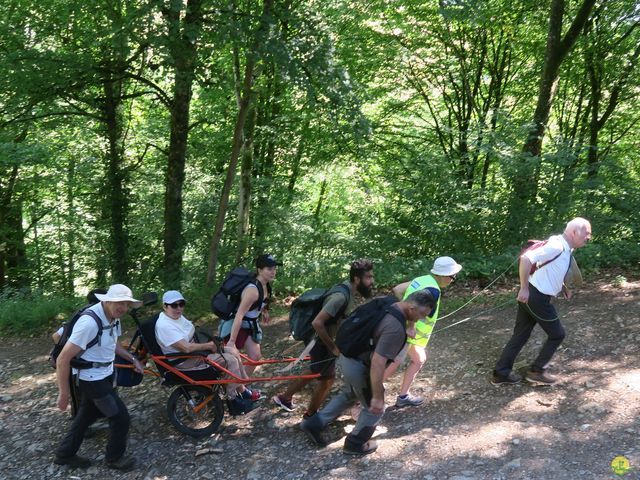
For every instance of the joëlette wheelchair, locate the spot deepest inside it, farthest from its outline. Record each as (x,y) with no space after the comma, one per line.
(194,407)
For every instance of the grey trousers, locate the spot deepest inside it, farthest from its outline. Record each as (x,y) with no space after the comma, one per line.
(356,388)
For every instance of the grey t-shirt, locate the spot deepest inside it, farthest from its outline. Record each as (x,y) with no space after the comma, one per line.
(389,336)
(333,304)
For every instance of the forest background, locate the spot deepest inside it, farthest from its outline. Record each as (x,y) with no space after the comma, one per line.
(159,143)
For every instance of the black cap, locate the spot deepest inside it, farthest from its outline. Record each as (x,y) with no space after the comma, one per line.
(266,260)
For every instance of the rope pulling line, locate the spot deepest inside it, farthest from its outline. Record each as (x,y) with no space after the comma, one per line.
(308,348)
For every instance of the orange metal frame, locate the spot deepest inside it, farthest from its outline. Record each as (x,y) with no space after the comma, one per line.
(161,360)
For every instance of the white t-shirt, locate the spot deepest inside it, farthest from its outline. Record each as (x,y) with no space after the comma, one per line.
(104,351)
(549,278)
(170,331)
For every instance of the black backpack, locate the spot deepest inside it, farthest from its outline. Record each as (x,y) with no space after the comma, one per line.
(226,300)
(307,306)
(355,335)
(67,328)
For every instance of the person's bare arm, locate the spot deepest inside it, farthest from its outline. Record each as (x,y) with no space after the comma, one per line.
(127,355)
(249,297)
(525,268)
(63,370)
(319,325)
(188,347)
(400,289)
(376,374)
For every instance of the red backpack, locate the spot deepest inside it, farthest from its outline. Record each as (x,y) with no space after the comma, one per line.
(532,245)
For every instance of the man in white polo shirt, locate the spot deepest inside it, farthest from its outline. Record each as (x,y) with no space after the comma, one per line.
(534,303)
(99,398)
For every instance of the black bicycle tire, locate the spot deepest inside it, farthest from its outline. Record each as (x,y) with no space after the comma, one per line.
(178,408)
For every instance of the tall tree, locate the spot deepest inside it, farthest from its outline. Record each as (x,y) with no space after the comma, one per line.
(247,96)
(611,40)
(184,25)
(558,46)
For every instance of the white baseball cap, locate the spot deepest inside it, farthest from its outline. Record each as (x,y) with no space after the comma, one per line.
(172,296)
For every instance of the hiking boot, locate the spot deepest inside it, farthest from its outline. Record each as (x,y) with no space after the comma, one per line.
(124,464)
(511,379)
(539,378)
(369,447)
(74,461)
(409,400)
(283,403)
(314,433)
(253,395)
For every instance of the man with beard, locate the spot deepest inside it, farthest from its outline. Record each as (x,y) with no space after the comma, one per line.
(323,355)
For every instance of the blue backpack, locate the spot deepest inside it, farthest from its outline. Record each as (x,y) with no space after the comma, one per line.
(226,300)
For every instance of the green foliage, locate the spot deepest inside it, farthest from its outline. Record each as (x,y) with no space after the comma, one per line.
(386,129)
(619,281)
(29,314)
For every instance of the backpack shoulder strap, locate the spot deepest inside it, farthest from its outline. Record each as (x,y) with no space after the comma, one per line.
(98,320)
(346,288)
(396,313)
(346,291)
(258,284)
(554,258)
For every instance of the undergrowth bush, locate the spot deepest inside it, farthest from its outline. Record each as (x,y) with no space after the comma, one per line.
(33,313)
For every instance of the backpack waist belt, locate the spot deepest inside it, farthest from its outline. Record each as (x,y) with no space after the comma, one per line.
(100,364)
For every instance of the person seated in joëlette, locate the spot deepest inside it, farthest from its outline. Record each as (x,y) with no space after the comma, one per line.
(175,334)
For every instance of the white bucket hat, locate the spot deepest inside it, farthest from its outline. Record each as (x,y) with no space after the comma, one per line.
(445,267)
(119,293)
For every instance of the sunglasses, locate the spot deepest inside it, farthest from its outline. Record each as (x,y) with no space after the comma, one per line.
(453,277)
(176,304)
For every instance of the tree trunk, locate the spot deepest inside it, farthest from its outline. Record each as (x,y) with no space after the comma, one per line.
(245,102)
(16,251)
(7,190)
(116,195)
(598,122)
(295,166)
(265,164)
(183,46)
(318,210)
(246,169)
(525,184)
(71,234)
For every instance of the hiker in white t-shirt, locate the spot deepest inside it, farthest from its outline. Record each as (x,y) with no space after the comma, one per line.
(534,303)
(96,383)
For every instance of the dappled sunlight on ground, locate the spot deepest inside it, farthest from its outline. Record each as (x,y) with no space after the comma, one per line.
(28,383)
(631,379)
(466,429)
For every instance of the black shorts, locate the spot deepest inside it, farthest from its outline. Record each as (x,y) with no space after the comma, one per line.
(322,360)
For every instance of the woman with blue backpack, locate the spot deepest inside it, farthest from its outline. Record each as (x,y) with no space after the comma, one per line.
(244,332)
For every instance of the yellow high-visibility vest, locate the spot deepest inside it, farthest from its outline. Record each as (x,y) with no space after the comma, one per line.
(425,326)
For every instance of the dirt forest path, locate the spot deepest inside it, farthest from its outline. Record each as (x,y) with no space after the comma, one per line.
(467,429)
